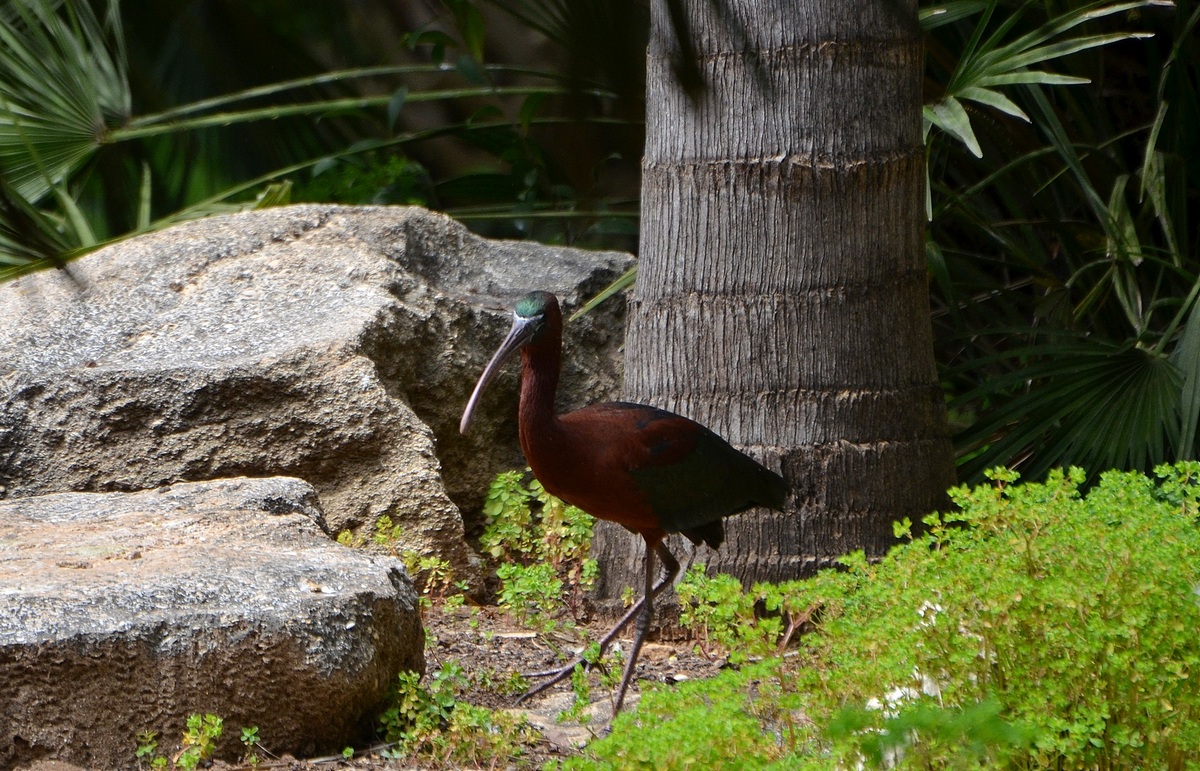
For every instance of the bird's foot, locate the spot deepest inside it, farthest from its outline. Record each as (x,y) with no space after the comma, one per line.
(555,676)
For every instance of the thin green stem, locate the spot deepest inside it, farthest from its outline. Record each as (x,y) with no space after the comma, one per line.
(318,80)
(320,107)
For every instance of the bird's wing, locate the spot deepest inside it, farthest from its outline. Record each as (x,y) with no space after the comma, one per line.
(690,477)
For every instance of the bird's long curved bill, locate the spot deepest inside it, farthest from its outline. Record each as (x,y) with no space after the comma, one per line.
(522,330)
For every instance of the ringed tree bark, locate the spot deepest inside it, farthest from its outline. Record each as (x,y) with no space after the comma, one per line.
(781,296)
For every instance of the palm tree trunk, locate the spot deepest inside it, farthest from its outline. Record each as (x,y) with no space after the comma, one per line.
(781,296)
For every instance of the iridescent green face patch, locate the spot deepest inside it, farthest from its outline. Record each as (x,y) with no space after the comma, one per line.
(531,305)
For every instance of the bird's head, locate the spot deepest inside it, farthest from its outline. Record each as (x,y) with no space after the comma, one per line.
(533,316)
(531,313)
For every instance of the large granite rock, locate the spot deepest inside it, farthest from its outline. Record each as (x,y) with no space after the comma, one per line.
(126,612)
(333,344)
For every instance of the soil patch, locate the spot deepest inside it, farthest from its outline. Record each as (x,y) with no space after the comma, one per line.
(490,648)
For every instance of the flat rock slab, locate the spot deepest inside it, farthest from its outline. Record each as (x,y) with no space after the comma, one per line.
(121,613)
(334,344)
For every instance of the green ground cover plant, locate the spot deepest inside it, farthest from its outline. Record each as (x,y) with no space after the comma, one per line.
(541,548)
(197,744)
(1037,626)
(542,545)
(431,723)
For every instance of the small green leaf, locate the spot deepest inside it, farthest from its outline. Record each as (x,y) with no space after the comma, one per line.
(994,99)
(324,165)
(428,37)
(1066,48)
(276,194)
(395,105)
(469,68)
(530,108)
(1122,242)
(950,116)
(948,13)
(626,280)
(1031,76)
(487,112)
(472,28)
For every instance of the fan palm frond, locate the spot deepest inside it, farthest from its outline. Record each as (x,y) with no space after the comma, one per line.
(63,86)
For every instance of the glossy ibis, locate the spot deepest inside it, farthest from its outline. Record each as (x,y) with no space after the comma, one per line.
(647,469)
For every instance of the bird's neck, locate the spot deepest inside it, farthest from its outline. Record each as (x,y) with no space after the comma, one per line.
(539,383)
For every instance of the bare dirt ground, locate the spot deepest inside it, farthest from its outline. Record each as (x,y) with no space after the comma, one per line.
(489,647)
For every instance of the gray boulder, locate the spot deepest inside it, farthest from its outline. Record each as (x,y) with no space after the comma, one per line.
(121,613)
(333,344)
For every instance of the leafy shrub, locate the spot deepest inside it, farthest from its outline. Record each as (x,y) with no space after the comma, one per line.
(250,739)
(529,591)
(430,723)
(198,743)
(725,618)
(200,739)
(1035,627)
(509,518)
(545,545)
(433,577)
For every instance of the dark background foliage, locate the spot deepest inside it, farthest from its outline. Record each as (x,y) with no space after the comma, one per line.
(1063,237)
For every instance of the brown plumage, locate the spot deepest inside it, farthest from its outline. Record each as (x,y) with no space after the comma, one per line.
(647,469)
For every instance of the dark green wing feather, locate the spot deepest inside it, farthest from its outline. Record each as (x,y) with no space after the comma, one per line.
(693,478)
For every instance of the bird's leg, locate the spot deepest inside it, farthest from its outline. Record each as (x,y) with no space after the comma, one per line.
(644,618)
(562,673)
(604,641)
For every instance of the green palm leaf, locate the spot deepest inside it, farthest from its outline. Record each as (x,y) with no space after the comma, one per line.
(988,63)
(1073,401)
(62,86)
(28,237)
